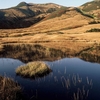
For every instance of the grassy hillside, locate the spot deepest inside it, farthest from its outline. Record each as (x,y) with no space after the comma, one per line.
(67,32)
(34,43)
(64,18)
(84,13)
(63,35)
(92,8)
(57,13)
(89,6)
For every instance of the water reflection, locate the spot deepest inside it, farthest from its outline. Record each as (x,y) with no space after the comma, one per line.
(71,79)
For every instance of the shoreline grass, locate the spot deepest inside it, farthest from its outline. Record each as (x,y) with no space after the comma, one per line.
(30,52)
(33,69)
(9,90)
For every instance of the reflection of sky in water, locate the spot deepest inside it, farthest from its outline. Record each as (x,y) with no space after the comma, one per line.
(53,85)
(7,66)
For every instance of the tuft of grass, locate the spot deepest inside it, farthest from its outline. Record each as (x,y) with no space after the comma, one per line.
(9,89)
(33,69)
(93,30)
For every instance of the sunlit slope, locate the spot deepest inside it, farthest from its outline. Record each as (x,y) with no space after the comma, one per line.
(68,20)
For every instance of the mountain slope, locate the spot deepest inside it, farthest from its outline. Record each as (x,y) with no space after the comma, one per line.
(92,7)
(24,14)
(69,19)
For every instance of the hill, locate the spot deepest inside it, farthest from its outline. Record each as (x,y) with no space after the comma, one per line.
(25,15)
(92,7)
(66,32)
(64,18)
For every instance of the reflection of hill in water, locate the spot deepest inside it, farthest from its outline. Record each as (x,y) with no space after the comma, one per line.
(92,54)
(90,57)
(27,52)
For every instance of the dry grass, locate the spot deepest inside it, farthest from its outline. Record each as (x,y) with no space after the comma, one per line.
(73,39)
(8,89)
(30,52)
(66,33)
(33,69)
(70,19)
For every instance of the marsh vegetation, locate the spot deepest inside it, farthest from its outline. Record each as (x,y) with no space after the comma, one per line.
(9,90)
(33,69)
(67,32)
(67,80)
(29,52)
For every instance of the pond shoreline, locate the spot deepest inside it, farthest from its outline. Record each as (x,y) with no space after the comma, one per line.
(37,52)
(67,76)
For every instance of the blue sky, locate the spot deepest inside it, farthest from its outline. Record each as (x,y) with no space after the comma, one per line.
(11,3)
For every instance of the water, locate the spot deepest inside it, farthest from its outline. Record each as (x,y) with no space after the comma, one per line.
(72,78)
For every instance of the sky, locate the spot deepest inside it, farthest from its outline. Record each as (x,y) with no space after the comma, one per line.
(11,3)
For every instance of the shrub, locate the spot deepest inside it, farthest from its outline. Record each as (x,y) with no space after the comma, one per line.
(94,22)
(94,30)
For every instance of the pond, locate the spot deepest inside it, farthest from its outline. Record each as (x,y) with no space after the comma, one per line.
(70,79)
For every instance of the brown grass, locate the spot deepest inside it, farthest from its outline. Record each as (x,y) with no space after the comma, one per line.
(8,89)
(30,52)
(66,33)
(33,69)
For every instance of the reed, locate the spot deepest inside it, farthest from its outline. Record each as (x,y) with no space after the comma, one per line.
(65,71)
(55,78)
(74,80)
(9,90)
(74,84)
(80,94)
(65,82)
(79,79)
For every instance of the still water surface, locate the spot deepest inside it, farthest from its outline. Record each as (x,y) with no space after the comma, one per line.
(70,79)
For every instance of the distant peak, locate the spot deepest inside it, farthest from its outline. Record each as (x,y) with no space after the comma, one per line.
(96,0)
(50,3)
(22,4)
